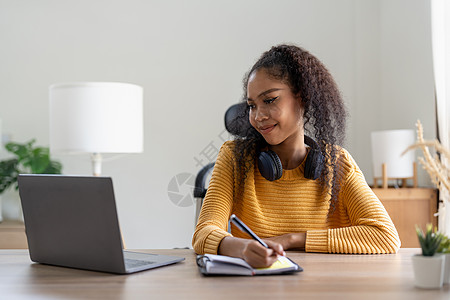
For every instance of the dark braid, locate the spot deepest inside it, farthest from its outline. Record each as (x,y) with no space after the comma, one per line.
(324,111)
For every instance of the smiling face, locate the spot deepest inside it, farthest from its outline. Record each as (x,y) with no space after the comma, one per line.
(274,111)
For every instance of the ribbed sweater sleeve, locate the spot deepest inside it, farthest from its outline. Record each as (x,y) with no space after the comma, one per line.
(364,226)
(213,218)
(371,230)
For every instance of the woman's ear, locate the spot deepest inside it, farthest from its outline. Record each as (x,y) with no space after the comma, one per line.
(300,111)
(300,102)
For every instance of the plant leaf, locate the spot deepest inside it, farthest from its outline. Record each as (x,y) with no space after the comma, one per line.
(28,159)
(430,240)
(39,160)
(8,173)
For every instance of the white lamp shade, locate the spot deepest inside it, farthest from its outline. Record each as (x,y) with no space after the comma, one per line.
(96,117)
(387,147)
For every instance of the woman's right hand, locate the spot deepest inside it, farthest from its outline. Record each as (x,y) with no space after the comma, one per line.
(251,251)
(259,256)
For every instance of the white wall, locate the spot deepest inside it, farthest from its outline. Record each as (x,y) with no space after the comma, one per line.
(393,77)
(190,57)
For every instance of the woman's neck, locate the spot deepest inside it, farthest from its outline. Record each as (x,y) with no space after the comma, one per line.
(291,152)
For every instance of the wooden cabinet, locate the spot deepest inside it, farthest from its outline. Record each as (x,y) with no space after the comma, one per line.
(408,207)
(12,235)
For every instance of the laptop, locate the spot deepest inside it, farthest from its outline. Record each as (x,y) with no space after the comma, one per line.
(71,221)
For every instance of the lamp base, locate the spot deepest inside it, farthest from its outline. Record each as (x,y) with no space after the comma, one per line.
(384,178)
(96,163)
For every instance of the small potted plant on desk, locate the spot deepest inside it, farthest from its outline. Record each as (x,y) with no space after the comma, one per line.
(429,266)
(27,159)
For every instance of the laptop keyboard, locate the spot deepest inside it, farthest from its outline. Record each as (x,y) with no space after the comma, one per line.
(132,263)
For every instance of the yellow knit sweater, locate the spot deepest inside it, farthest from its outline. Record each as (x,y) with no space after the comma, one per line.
(360,224)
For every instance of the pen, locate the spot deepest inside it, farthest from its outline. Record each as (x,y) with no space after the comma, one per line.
(244,228)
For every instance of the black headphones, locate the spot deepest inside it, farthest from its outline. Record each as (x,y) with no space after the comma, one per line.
(269,164)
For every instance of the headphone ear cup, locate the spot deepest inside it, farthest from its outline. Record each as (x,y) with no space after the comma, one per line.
(269,165)
(313,164)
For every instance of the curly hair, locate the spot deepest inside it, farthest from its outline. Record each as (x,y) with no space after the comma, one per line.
(324,112)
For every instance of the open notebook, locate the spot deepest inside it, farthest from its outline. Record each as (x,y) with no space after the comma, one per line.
(210,264)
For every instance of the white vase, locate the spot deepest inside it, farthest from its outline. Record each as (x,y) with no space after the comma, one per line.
(447,269)
(429,271)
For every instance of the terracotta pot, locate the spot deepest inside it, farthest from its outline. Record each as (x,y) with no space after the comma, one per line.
(429,271)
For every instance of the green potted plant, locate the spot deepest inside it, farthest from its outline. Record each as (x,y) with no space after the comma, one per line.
(429,266)
(27,158)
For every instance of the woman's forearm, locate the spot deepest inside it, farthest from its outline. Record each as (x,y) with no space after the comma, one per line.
(298,241)
(291,241)
(232,246)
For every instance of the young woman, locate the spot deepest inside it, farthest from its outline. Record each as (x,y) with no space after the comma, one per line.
(288,178)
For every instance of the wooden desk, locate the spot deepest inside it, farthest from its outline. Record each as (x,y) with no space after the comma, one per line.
(326,276)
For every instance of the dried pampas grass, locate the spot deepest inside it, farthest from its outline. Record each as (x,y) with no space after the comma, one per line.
(436,167)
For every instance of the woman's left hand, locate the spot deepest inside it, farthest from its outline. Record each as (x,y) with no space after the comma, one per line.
(290,241)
